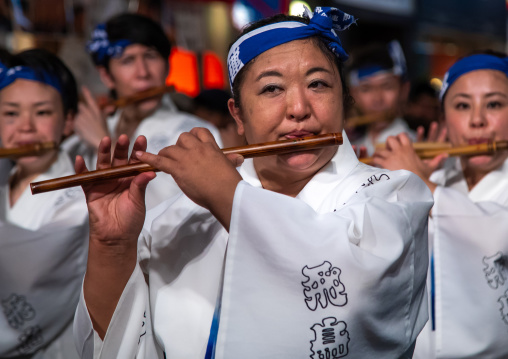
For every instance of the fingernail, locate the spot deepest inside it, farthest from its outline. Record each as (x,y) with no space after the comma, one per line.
(139,154)
(239,161)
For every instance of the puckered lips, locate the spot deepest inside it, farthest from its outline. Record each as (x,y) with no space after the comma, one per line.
(299,134)
(478,140)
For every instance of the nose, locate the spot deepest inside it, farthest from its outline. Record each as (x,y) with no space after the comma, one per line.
(26,122)
(298,105)
(378,99)
(478,117)
(142,70)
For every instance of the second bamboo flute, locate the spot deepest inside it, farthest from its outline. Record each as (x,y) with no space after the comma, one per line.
(263,149)
(467,150)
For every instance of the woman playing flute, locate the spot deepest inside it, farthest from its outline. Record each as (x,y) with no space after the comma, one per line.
(468,275)
(131,54)
(42,239)
(307,254)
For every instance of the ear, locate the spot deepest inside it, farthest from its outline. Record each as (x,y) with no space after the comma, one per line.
(106,77)
(68,124)
(236,113)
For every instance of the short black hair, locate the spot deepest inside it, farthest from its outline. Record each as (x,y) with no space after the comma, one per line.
(42,61)
(320,42)
(375,54)
(138,29)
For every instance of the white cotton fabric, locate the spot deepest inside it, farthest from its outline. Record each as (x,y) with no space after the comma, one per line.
(369,223)
(43,247)
(470,246)
(397,126)
(161,129)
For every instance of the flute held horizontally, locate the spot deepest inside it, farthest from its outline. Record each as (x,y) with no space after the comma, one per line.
(467,150)
(28,150)
(256,150)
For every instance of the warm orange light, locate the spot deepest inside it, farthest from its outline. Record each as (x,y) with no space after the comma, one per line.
(183,72)
(213,71)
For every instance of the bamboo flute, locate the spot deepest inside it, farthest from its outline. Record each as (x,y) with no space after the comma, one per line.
(249,151)
(422,146)
(140,96)
(467,150)
(28,150)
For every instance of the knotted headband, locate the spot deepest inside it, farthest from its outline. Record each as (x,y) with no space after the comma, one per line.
(472,63)
(325,22)
(9,75)
(100,46)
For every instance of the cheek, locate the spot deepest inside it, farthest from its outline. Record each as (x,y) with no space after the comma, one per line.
(457,127)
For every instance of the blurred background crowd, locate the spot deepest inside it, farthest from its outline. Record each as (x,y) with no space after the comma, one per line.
(433,35)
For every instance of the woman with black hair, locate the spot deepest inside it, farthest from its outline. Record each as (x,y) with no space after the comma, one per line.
(42,238)
(468,276)
(326,257)
(131,53)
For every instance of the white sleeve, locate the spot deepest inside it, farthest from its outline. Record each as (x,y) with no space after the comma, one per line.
(348,281)
(471,276)
(129,334)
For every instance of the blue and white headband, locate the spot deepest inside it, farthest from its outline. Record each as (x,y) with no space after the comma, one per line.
(472,63)
(399,66)
(100,46)
(324,23)
(9,75)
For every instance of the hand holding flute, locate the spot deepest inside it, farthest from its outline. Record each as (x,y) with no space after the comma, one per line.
(400,154)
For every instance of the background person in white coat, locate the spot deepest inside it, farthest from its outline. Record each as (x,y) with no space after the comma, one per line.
(43,238)
(131,54)
(468,241)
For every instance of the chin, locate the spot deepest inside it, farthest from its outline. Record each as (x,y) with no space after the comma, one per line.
(300,161)
(148,105)
(483,163)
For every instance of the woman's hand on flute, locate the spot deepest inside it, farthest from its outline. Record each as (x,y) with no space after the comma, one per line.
(116,213)
(399,154)
(436,133)
(90,121)
(201,170)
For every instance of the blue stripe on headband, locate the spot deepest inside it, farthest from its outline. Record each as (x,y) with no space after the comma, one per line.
(324,23)
(472,63)
(100,46)
(9,75)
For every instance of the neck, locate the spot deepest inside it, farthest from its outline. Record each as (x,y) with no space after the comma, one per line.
(130,119)
(24,174)
(281,182)
(472,177)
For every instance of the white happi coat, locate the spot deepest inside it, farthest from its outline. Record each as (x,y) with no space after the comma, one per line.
(397,126)
(470,248)
(161,129)
(340,270)
(43,247)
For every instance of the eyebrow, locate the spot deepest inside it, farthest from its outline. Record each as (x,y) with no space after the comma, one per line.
(15,104)
(496,93)
(490,94)
(278,74)
(317,69)
(267,74)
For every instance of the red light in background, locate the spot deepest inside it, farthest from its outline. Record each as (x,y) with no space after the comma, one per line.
(213,73)
(183,72)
